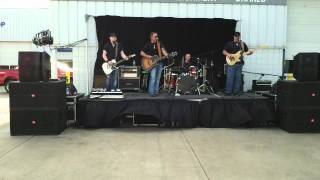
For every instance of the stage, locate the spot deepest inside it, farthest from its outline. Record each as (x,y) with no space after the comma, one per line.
(185,111)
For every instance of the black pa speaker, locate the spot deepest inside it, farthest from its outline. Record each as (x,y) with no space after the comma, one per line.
(298,94)
(129,83)
(34,66)
(37,121)
(306,67)
(37,107)
(38,94)
(300,120)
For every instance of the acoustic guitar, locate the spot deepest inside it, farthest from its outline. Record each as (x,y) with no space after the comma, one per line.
(149,63)
(107,68)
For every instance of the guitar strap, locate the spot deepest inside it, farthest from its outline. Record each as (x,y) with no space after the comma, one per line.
(116,53)
(159,49)
(242,46)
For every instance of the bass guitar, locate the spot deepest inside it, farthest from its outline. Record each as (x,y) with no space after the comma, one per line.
(107,68)
(236,57)
(149,63)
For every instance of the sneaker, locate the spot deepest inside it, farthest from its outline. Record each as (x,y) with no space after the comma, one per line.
(112,90)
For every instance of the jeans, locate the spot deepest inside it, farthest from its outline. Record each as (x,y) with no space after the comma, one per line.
(234,79)
(112,81)
(154,82)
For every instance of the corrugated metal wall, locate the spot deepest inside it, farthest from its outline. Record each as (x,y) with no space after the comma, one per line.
(23,24)
(9,51)
(260,25)
(303,27)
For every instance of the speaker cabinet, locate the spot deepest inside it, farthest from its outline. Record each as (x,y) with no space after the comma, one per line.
(37,107)
(300,120)
(298,106)
(34,66)
(37,94)
(297,94)
(129,83)
(37,121)
(306,66)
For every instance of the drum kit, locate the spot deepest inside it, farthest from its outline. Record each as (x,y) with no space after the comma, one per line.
(192,82)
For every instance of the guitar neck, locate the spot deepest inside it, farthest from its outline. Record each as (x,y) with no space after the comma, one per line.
(122,60)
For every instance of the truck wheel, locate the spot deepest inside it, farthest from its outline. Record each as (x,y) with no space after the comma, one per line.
(6,85)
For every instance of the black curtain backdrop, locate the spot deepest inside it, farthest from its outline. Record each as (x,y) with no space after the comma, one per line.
(194,35)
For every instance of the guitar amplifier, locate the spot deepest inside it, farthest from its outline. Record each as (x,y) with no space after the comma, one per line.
(129,78)
(130,72)
(129,83)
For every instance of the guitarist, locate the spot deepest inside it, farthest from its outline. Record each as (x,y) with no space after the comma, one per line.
(112,52)
(234,72)
(152,48)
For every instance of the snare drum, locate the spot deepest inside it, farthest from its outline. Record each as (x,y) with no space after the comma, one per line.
(193,71)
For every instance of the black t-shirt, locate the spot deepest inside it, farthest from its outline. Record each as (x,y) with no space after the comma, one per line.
(111,51)
(232,48)
(151,48)
(186,66)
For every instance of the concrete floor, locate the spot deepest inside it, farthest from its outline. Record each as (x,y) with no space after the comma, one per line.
(153,153)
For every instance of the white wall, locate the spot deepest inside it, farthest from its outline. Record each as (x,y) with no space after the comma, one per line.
(23,24)
(303,27)
(9,51)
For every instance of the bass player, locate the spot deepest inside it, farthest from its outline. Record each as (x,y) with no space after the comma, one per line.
(234,72)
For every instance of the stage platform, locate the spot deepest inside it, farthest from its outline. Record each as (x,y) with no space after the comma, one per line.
(185,111)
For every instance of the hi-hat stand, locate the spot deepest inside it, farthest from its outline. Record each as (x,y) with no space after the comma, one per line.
(205,87)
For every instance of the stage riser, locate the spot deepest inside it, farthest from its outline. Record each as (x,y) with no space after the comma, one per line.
(182,113)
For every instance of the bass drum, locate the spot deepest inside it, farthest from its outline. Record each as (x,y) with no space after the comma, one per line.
(186,84)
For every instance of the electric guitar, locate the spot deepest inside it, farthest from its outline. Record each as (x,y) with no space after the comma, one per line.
(236,57)
(107,68)
(149,63)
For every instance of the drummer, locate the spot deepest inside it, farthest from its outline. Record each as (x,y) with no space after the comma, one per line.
(187,63)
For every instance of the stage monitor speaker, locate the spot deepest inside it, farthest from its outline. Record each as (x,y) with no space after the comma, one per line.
(34,66)
(297,94)
(300,120)
(38,94)
(37,121)
(306,67)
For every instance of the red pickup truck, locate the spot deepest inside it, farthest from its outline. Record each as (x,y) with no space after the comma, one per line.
(7,75)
